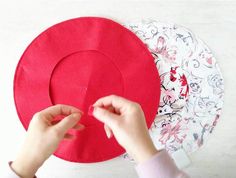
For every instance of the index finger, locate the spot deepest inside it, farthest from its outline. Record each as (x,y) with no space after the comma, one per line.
(119,103)
(59,109)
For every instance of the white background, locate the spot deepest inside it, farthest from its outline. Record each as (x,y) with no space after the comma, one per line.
(213,21)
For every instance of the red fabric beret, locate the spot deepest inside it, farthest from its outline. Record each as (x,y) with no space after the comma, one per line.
(75,63)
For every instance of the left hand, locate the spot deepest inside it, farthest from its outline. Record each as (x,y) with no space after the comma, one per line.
(43,137)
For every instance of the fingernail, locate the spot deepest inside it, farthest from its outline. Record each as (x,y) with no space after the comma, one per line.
(75,115)
(81,112)
(90,110)
(108,135)
(82,126)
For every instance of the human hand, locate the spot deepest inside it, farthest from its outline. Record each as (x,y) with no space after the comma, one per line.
(43,137)
(125,119)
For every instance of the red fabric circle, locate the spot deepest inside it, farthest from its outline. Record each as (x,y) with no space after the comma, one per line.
(76,62)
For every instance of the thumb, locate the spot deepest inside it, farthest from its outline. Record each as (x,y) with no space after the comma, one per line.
(68,122)
(108,131)
(103,115)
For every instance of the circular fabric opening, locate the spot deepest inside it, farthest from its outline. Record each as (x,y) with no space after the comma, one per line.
(81,78)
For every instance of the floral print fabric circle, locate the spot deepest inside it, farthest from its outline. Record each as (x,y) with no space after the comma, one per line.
(191,85)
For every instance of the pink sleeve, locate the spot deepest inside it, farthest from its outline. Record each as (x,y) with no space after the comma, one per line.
(159,166)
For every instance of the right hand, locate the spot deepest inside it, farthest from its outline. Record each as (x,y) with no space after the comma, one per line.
(126,121)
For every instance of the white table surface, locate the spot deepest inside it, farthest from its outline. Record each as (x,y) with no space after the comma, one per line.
(213,21)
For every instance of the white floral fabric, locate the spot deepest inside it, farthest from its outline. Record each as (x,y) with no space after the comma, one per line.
(192,86)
